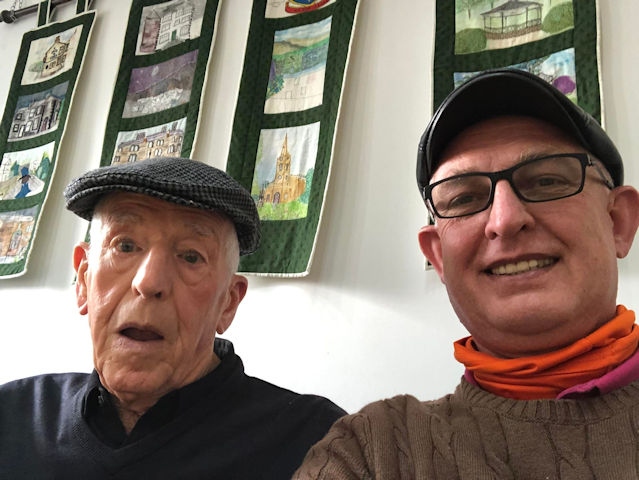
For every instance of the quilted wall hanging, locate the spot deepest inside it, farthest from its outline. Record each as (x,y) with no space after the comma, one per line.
(156,100)
(285,123)
(36,111)
(555,39)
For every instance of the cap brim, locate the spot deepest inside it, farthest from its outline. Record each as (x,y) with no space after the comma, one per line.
(181,181)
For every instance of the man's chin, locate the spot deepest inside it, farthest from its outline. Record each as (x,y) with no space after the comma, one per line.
(129,384)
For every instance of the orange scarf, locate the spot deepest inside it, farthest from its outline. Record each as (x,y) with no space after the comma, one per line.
(546,375)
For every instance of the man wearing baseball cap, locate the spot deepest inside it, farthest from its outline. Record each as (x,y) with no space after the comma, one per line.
(530,217)
(167,399)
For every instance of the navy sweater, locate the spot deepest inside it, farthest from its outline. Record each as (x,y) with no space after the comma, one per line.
(240,428)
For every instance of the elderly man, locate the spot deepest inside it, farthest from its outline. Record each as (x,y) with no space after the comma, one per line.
(531,215)
(167,399)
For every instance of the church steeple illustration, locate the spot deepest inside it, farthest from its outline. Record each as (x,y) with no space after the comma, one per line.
(283,168)
(285,187)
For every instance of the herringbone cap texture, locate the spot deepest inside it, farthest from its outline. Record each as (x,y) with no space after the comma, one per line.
(177,180)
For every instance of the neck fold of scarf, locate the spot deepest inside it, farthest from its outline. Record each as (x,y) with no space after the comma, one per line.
(546,375)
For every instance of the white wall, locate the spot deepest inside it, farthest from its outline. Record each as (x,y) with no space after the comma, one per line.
(368,322)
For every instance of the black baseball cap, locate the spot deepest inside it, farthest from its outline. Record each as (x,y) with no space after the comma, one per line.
(495,93)
(183,181)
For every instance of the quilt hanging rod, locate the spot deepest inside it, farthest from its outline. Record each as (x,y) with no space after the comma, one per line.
(10,16)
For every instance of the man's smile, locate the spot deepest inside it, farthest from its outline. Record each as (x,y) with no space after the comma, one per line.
(522,266)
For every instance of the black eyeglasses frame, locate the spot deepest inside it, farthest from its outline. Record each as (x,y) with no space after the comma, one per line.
(507,174)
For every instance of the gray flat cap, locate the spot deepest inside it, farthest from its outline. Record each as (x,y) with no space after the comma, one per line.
(498,92)
(177,180)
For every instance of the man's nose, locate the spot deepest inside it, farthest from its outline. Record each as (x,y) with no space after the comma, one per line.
(508,214)
(154,276)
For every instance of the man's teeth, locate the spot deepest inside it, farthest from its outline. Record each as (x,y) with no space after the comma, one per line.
(519,267)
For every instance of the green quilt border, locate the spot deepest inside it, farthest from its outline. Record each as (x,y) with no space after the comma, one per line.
(129,61)
(17,90)
(279,238)
(583,38)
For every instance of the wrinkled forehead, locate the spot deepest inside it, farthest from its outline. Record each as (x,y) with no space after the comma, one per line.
(500,142)
(135,207)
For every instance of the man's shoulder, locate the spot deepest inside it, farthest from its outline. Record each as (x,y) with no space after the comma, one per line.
(400,409)
(405,402)
(46,384)
(51,399)
(253,392)
(291,400)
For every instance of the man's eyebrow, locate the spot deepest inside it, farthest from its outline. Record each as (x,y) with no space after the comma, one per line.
(525,156)
(125,215)
(122,217)
(199,229)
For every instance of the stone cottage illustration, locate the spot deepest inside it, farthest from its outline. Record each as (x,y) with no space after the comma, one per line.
(164,27)
(55,57)
(37,117)
(165,143)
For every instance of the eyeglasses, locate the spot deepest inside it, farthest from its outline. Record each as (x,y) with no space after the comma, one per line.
(538,180)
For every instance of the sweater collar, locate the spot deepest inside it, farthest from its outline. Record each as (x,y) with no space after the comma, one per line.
(100,413)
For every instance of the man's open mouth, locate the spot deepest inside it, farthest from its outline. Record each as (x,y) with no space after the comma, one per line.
(141,335)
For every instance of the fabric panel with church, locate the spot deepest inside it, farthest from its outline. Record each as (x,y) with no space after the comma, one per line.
(285,123)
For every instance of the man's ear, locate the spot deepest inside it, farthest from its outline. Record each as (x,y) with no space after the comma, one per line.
(624,211)
(431,246)
(235,294)
(80,264)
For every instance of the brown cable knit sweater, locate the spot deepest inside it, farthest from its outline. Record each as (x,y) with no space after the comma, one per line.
(473,434)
